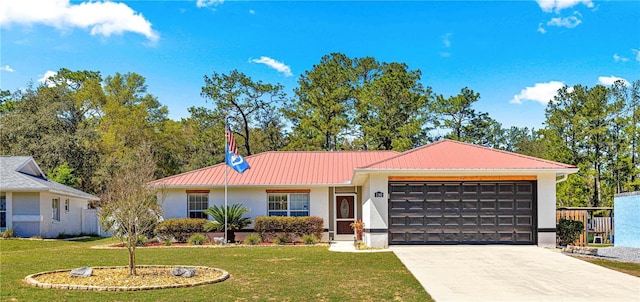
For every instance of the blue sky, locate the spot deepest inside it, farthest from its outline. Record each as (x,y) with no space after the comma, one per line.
(516,54)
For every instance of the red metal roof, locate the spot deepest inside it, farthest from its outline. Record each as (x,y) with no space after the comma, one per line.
(337,167)
(283,168)
(452,155)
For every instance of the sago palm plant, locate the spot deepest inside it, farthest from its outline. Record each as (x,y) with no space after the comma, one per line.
(235,219)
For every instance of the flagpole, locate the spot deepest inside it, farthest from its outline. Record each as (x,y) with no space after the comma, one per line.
(226,178)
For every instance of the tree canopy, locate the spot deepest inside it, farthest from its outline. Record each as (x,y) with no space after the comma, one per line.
(79,125)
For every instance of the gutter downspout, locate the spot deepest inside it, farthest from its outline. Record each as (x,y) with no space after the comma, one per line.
(563,178)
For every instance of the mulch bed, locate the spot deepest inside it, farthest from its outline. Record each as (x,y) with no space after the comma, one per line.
(117,278)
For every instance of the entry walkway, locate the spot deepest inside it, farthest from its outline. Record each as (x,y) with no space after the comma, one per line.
(513,273)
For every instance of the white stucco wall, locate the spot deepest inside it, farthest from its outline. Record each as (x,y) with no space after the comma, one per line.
(546,209)
(175,201)
(375,210)
(26,216)
(30,213)
(70,221)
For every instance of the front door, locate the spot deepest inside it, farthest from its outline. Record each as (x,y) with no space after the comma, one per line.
(345,211)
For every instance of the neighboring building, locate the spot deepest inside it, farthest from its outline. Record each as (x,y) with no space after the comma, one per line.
(626,224)
(33,205)
(446,192)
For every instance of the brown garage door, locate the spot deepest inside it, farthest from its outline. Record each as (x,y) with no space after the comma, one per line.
(462,212)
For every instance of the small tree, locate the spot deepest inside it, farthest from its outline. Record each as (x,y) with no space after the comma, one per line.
(235,221)
(569,231)
(130,207)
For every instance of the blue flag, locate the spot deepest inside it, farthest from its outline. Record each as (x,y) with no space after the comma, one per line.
(233,159)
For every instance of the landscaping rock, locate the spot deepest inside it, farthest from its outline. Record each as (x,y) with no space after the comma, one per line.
(81,272)
(183,272)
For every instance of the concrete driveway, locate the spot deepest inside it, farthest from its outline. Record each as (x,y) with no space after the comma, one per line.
(513,273)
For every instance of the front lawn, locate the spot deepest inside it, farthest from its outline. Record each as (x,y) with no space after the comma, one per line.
(257,273)
(630,268)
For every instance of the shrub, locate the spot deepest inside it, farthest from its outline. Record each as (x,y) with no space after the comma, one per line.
(8,233)
(569,231)
(197,239)
(281,240)
(179,229)
(253,239)
(309,239)
(142,240)
(234,217)
(168,242)
(269,226)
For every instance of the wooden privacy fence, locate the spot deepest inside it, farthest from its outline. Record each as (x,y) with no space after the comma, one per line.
(579,215)
(602,226)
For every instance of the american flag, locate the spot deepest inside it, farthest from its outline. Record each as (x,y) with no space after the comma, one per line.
(231,142)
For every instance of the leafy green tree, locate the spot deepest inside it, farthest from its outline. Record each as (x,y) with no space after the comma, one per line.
(456,114)
(54,123)
(392,108)
(321,113)
(234,218)
(243,100)
(7,104)
(485,131)
(204,138)
(64,174)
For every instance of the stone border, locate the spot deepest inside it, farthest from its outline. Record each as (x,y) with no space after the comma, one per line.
(33,282)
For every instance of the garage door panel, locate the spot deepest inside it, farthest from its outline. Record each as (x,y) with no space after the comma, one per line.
(525,205)
(470,220)
(462,213)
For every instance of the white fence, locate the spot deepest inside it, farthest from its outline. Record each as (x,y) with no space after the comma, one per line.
(90,223)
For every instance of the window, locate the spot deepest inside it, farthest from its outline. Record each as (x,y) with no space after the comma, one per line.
(197,203)
(66,205)
(3,211)
(55,207)
(288,204)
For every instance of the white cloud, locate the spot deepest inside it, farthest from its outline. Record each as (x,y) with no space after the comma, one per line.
(608,81)
(279,66)
(7,68)
(618,58)
(252,12)
(101,18)
(445,54)
(45,78)
(446,40)
(558,5)
(637,52)
(568,22)
(540,92)
(541,29)
(209,3)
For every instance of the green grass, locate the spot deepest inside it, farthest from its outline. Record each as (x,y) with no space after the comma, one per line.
(630,268)
(599,244)
(305,273)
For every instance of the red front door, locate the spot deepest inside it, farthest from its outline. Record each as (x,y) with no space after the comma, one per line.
(345,214)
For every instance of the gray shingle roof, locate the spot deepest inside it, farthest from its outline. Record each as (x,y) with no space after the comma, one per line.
(21,173)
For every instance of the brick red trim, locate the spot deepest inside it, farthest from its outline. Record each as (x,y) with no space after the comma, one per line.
(198,191)
(290,191)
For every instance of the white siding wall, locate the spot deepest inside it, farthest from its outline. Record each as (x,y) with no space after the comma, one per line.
(175,202)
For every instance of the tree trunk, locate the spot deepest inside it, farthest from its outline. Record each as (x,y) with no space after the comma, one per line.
(231,236)
(132,259)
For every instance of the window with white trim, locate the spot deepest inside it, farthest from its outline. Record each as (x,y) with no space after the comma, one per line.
(288,204)
(197,203)
(55,209)
(66,205)
(3,210)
